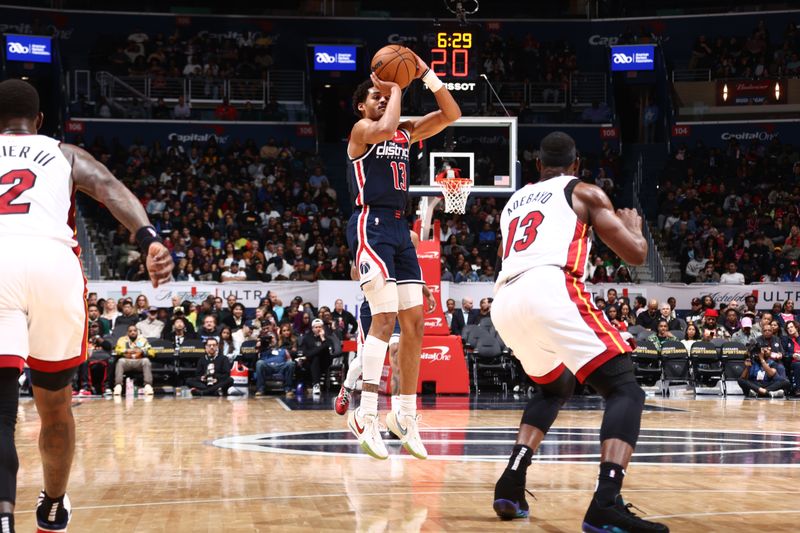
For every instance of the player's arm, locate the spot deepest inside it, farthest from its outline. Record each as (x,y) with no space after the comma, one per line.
(434,122)
(93,178)
(620,230)
(367,131)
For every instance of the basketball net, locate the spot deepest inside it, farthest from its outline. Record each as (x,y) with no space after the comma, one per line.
(455,192)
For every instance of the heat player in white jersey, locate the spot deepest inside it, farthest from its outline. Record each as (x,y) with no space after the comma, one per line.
(544,313)
(43,317)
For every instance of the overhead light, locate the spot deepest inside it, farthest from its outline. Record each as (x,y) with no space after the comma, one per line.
(24,78)
(327,85)
(777,90)
(725,93)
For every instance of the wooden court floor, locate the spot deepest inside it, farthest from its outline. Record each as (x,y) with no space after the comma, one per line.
(189,465)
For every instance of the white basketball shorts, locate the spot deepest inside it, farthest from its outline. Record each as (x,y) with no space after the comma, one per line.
(550,322)
(43,318)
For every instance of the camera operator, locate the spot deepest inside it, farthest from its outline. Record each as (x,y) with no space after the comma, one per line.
(273,359)
(317,348)
(764,374)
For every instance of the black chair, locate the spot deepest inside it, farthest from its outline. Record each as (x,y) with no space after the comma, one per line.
(646,363)
(733,356)
(163,359)
(487,356)
(674,363)
(335,374)
(465,332)
(706,364)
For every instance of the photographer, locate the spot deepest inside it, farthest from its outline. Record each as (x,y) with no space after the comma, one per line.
(317,348)
(213,372)
(272,360)
(764,374)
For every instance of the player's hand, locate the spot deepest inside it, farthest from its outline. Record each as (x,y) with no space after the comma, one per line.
(748,363)
(159,264)
(632,219)
(430,302)
(383,87)
(422,67)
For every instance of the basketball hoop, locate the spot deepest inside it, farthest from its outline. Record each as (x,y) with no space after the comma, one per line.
(455,192)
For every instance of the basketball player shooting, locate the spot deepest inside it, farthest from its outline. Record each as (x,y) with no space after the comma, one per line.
(558,335)
(43,317)
(378,235)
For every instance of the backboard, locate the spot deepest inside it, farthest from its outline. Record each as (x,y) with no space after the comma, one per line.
(483,149)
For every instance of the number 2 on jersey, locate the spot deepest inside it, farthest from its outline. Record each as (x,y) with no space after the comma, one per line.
(20,180)
(529,225)
(399,173)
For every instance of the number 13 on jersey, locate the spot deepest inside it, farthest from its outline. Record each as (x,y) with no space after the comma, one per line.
(399,173)
(528,226)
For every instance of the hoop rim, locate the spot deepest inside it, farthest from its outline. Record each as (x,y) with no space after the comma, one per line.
(456,181)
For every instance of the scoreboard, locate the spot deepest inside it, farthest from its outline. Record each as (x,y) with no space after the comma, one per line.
(454,55)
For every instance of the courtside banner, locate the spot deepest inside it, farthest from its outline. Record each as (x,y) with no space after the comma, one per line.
(29,48)
(428,255)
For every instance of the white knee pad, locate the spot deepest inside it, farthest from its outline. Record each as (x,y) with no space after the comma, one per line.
(381,295)
(394,339)
(409,295)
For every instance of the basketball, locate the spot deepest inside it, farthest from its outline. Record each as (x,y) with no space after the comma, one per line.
(395,63)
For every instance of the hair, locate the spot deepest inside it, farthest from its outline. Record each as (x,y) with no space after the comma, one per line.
(696,332)
(557,150)
(360,96)
(18,99)
(795,324)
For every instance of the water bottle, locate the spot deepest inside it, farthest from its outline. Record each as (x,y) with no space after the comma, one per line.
(300,389)
(129,389)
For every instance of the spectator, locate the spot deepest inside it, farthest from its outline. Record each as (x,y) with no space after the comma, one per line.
(151,327)
(94,317)
(710,327)
(179,333)
(272,360)
(625,316)
(347,322)
(131,351)
(746,335)
(318,349)
(708,274)
(225,111)
(182,109)
(649,319)
(666,314)
(141,306)
(449,313)
(227,346)
(209,329)
(484,312)
(662,334)
(129,317)
(732,276)
(236,319)
(612,314)
(234,274)
(213,376)
(731,322)
(792,348)
(110,312)
(690,336)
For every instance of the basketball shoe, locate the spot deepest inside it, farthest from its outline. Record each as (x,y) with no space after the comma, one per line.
(406,428)
(52,516)
(367,431)
(617,517)
(509,498)
(342,402)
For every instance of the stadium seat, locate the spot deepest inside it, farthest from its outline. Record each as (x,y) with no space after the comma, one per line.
(706,364)
(732,355)
(635,330)
(678,334)
(674,363)
(646,363)
(487,355)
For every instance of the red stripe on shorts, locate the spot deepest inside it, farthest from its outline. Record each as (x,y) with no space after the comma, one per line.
(55,366)
(550,376)
(363,244)
(597,322)
(12,361)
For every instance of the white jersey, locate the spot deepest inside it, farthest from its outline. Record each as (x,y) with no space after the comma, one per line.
(36,189)
(540,228)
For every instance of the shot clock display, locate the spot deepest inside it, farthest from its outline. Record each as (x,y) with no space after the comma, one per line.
(454,57)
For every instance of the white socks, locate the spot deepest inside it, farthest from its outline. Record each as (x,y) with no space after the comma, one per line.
(372,357)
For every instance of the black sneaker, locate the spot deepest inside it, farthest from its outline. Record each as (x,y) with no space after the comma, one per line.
(509,499)
(52,516)
(617,519)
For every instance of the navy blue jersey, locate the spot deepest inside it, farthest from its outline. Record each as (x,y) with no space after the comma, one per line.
(379,178)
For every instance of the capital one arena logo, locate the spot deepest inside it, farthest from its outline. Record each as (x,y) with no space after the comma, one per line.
(428,255)
(436,353)
(433,322)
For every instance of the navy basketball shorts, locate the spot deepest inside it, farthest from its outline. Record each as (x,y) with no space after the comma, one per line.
(380,243)
(365,322)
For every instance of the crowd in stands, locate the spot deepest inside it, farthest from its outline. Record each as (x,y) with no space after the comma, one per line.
(296,341)
(755,56)
(732,214)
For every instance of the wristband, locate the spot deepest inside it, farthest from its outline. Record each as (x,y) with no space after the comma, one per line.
(145,236)
(432,81)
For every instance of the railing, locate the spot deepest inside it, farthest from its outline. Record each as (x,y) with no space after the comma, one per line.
(697,74)
(654,261)
(286,86)
(582,89)
(91,265)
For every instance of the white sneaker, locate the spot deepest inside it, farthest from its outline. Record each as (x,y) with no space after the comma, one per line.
(148,390)
(117,390)
(367,431)
(405,427)
(317,390)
